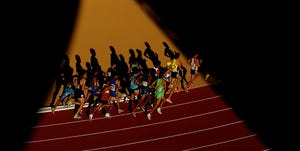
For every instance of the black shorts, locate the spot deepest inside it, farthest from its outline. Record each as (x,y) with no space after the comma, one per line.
(174,74)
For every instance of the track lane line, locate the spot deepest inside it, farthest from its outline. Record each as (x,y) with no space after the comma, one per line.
(166,137)
(220,143)
(127,114)
(128,128)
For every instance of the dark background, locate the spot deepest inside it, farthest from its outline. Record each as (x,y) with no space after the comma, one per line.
(246,45)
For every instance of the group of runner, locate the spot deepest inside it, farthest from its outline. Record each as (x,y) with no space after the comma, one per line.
(142,88)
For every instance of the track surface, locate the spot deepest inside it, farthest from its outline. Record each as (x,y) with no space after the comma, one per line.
(197,120)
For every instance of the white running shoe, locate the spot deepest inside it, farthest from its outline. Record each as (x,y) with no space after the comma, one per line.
(149,116)
(91,116)
(143,108)
(159,110)
(169,101)
(207,76)
(107,115)
(133,114)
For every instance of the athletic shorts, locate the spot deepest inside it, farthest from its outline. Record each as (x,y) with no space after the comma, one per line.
(174,74)
(193,71)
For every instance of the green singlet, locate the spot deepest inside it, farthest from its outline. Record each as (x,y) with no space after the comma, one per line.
(159,89)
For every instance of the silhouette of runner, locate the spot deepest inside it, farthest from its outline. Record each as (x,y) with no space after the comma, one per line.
(150,54)
(64,76)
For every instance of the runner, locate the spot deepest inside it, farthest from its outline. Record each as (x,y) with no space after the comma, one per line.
(104,102)
(160,86)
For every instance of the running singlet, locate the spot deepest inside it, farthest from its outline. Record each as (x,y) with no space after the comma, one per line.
(174,66)
(159,89)
(193,65)
(174,69)
(133,83)
(93,90)
(105,95)
(113,87)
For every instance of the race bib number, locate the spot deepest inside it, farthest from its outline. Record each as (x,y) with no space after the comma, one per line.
(159,88)
(112,87)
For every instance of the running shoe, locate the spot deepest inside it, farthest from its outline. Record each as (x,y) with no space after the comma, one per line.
(126,100)
(52,110)
(107,115)
(90,116)
(133,114)
(143,108)
(122,98)
(77,117)
(149,116)
(69,103)
(207,76)
(169,101)
(159,110)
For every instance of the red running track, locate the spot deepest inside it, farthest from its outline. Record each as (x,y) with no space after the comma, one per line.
(198,120)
